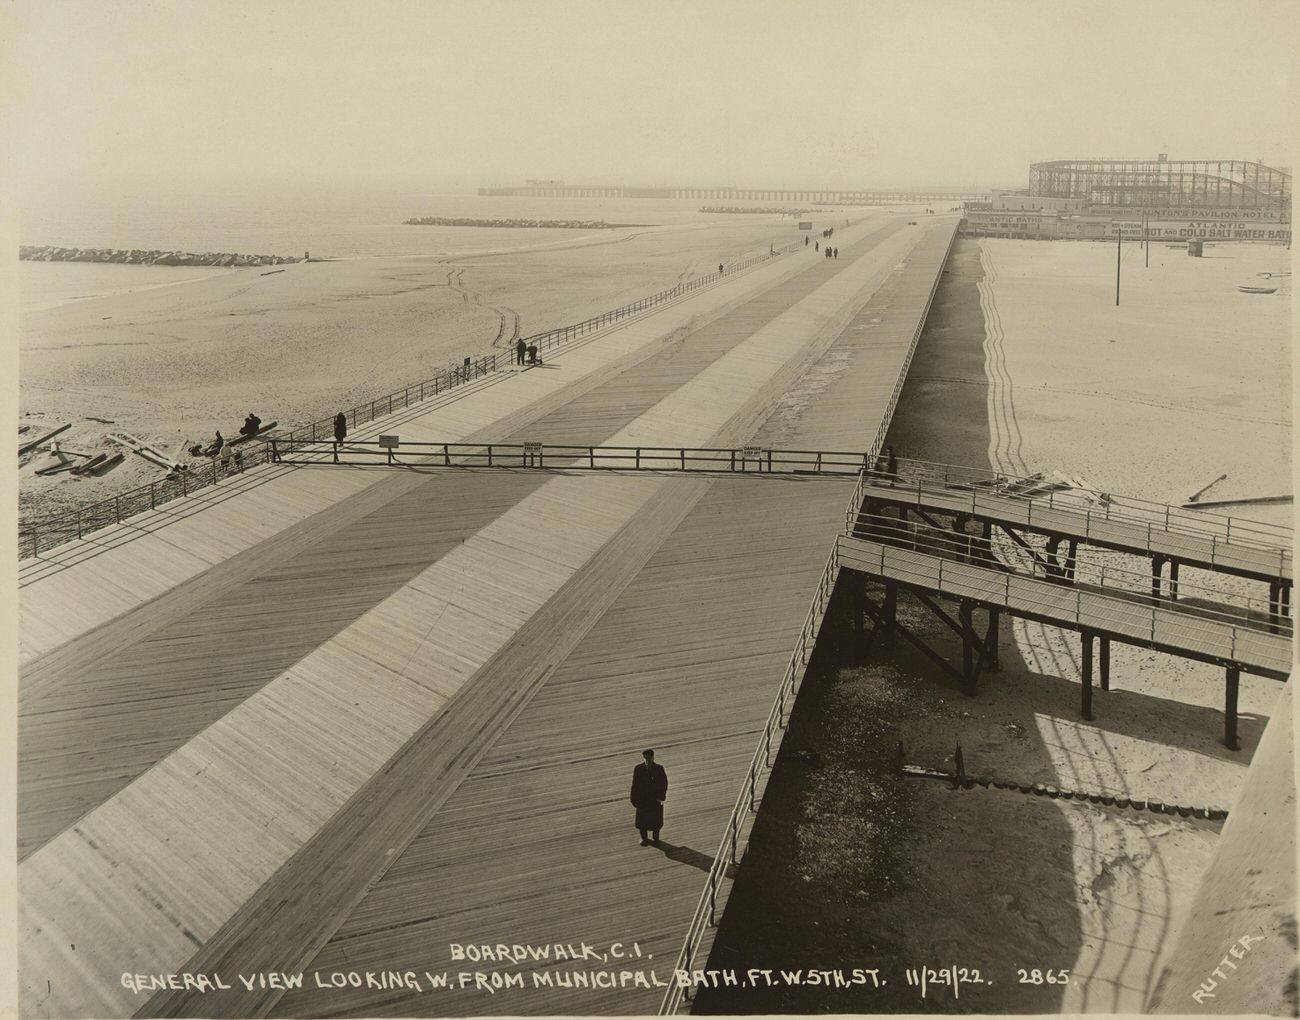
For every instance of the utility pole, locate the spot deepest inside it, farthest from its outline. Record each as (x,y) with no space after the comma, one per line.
(1119,234)
(1146,237)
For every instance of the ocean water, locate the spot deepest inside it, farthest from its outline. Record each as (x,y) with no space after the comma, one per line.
(330,219)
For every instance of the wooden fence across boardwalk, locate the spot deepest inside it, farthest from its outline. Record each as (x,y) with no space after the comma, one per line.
(345,716)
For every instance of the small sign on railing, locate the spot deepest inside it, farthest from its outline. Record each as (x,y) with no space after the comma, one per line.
(533,448)
(751,453)
(388,442)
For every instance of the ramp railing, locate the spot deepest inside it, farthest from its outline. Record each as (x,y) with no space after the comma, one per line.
(1194,601)
(950,479)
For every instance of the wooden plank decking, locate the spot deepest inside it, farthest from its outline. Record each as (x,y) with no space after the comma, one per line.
(424,627)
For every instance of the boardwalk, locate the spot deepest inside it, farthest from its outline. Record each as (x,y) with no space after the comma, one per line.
(322,713)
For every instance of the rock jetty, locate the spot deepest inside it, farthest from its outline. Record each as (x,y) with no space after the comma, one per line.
(462,221)
(138,257)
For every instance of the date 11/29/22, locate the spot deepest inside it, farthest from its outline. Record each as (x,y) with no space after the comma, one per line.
(953,977)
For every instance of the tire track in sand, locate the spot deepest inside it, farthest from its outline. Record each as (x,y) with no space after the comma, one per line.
(1096,959)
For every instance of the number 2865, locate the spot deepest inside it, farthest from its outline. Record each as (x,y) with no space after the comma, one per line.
(1043,977)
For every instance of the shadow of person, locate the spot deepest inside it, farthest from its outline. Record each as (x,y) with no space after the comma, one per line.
(686,855)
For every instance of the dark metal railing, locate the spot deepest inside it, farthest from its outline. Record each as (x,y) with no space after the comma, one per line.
(950,480)
(36,536)
(747,459)
(1196,601)
(547,340)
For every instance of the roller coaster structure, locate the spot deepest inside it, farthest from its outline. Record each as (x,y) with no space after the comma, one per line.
(1209,184)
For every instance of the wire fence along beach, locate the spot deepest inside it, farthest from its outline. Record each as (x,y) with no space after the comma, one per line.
(35,537)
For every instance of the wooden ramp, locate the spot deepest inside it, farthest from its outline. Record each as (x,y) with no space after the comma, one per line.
(1165,626)
(1199,540)
(422,674)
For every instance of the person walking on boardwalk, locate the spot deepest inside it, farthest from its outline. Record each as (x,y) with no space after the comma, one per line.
(817,246)
(649,790)
(719,268)
(521,348)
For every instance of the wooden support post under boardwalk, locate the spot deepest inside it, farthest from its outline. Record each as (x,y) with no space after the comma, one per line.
(1049,554)
(1173,580)
(967,648)
(991,640)
(1230,709)
(1274,605)
(1086,675)
(1104,663)
(1157,566)
(1072,558)
(891,613)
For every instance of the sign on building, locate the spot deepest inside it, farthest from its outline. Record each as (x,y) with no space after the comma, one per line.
(805,224)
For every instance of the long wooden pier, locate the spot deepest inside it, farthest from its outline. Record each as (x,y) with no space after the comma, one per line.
(328,720)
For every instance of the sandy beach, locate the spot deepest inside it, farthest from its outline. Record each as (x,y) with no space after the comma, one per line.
(174,360)
(1027,365)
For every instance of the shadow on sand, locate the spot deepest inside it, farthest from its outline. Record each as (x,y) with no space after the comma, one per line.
(852,868)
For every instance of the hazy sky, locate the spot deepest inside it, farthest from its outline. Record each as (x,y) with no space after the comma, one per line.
(873,92)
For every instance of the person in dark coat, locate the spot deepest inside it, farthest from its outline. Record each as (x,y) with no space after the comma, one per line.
(521,348)
(340,427)
(649,789)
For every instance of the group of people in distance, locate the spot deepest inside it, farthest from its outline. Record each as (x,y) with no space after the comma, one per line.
(523,349)
(252,425)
